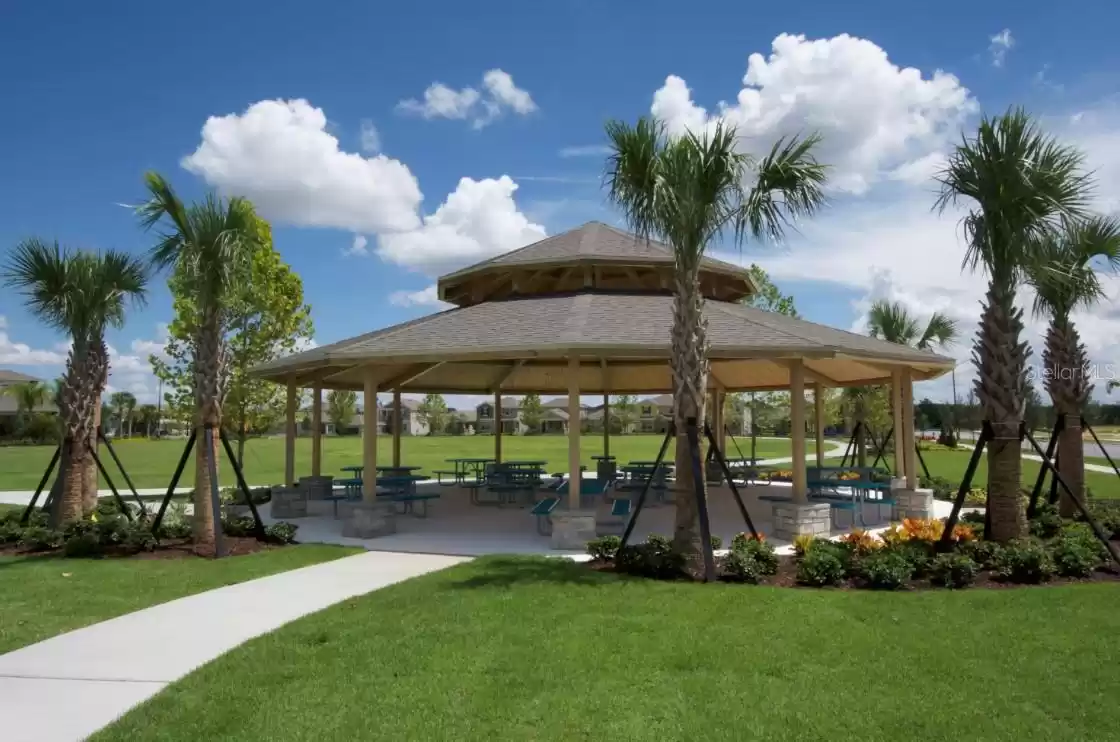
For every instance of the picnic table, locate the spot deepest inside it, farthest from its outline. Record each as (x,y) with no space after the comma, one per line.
(463,468)
(356,470)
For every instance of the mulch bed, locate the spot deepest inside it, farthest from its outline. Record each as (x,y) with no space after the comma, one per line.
(167,549)
(787,577)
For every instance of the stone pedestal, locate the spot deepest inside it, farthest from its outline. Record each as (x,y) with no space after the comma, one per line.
(317,488)
(288,502)
(792,519)
(607,524)
(908,503)
(370,520)
(572,529)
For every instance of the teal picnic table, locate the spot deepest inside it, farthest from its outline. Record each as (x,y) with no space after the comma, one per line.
(464,467)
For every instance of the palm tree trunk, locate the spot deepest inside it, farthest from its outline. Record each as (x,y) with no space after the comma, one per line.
(208,403)
(689,365)
(1065,360)
(77,416)
(68,505)
(1000,357)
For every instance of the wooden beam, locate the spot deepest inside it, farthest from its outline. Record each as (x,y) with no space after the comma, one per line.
(896,414)
(396,427)
(369,436)
(818,421)
(575,483)
(317,429)
(507,372)
(797,428)
(818,378)
(410,375)
(290,436)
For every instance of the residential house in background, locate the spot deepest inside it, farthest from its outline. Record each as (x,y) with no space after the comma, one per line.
(510,417)
(654,414)
(411,423)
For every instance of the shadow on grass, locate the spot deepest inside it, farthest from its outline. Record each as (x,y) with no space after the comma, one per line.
(507,571)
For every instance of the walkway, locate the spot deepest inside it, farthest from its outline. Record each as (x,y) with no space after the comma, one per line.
(68,687)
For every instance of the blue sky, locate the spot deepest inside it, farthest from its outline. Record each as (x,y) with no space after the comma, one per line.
(97,96)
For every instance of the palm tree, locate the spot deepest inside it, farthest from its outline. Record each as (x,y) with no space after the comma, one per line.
(688,191)
(891,321)
(148,417)
(28,396)
(209,244)
(1064,278)
(82,294)
(118,403)
(1019,184)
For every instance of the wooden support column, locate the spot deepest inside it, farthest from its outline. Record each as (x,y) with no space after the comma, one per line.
(317,429)
(797,428)
(396,428)
(498,424)
(574,477)
(369,437)
(290,435)
(909,453)
(818,420)
(896,413)
(606,425)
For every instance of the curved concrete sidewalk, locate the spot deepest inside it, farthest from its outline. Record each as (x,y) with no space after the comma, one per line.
(66,688)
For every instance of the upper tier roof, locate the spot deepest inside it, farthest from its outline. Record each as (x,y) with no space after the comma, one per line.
(594,256)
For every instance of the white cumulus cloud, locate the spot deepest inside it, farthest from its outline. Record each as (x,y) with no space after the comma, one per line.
(280,154)
(878,121)
(22,354)
(499,94)
(371,138)
(477,221)
(425,297)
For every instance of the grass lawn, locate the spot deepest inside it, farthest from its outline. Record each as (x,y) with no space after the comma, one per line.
(41,597)
(952,464)
(532,648)
(151,463)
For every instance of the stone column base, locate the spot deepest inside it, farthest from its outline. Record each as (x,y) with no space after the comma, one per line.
(288,502)
(606,470)
(909,503)
(317,488)
(370,520)
(572,529)
(793,519)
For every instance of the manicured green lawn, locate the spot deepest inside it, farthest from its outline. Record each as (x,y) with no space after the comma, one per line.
(41,597)
(511,648)
(952,466)
(151,463)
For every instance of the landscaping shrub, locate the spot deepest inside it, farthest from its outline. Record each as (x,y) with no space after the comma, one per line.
(138,537)
(281,533)
(976,497)
(760,551)
(973,518)
(820,567)
(861,542)
(655,558)
(984,553)
(41,538)
(954,570)
(1077,552)
(1025,561)
(919,554)
(887,569)
(10,532)
(1107,513)
(1046,523)
(85,544)
(801,544)
(239,526)
(603,548)
(942,488)
(744,566)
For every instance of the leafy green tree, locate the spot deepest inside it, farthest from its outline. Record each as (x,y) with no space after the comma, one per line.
(624,409)
(121,403)
(82,294)
(264,317)
(208,246)
(148,417)
(342,405)
(769,297)
(532,413)
(433,413)
(1064,276)
(1020,185)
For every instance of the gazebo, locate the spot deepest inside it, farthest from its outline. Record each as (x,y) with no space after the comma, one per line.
(589,312)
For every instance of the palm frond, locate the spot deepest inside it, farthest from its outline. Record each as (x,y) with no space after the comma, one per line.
(1020,184)
(891,322)
(1064,268)
(940,330)
(790,184)
(165,204)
